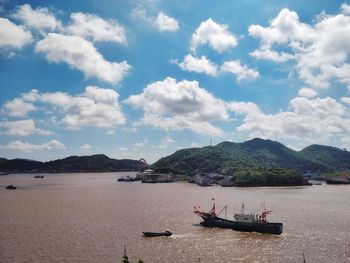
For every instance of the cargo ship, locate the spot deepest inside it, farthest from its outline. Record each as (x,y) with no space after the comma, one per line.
(242,221)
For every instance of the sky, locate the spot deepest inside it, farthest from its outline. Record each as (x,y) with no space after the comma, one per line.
(144,78)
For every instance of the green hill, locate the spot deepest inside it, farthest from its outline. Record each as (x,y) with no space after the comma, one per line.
(230,158)
(93,163)
(333,158)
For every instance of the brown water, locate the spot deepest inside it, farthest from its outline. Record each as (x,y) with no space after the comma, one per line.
(89,218)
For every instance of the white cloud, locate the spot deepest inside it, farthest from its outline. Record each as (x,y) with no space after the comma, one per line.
(162,22)
(195,145)
(241,72)
(13,36)
(40,18)
(95,28)
(82,55)
(215,35)
(141,144)
(308,93)
(18,108)
(27,147)
(55,98)
(172,105)
(166,142)
(166,23)
(85,148)
(317,120)
(345,8)
(345,143)
(140,13)
(22,128)
(272,55)
(320,50)
(96,107)
(200,65)
(346,100)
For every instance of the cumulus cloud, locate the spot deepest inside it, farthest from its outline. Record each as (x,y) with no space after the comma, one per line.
(85,148)
(320,51)
(166,23)
(18,107)
(308,93)
(12,35)
(22,128)
(215,35)
(172,105)
(242,72)
(309,121)
(199,65)
(28,147)
(96,107)
(345,8)
(95,28)
(273,55)
(346,100)
(82,55)
(41,18)
(162,21)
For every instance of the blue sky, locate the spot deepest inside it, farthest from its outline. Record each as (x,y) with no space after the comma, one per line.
(145,78)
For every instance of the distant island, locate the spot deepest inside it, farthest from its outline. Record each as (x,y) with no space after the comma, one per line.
(72,164)
(256,162)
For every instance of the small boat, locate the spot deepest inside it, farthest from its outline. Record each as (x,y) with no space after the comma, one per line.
(126,178)
(204,182)
(166,233)
(11,187)
(39,176)
(242,221)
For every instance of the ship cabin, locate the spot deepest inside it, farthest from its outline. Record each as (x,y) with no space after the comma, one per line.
(245,218)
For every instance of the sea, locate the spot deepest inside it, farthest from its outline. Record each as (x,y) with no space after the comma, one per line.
(91,217)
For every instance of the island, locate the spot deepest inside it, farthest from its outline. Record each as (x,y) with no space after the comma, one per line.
(256,162)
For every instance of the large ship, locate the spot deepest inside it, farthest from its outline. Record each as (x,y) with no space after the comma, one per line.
(242,221)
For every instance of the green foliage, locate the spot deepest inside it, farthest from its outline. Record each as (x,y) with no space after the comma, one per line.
(333,158)
(262,176)
(125,259)
(336,175)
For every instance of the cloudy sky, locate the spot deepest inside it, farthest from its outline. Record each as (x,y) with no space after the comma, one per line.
(145,78)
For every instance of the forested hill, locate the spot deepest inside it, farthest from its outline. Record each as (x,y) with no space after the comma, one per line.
(93,163)
(334,158)
(230,157)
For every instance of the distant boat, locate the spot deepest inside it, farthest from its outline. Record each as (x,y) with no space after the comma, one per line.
(338,181)
(157,234)
(39,176)
(204,182)
(243,222)
(126,179)
(11,187)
